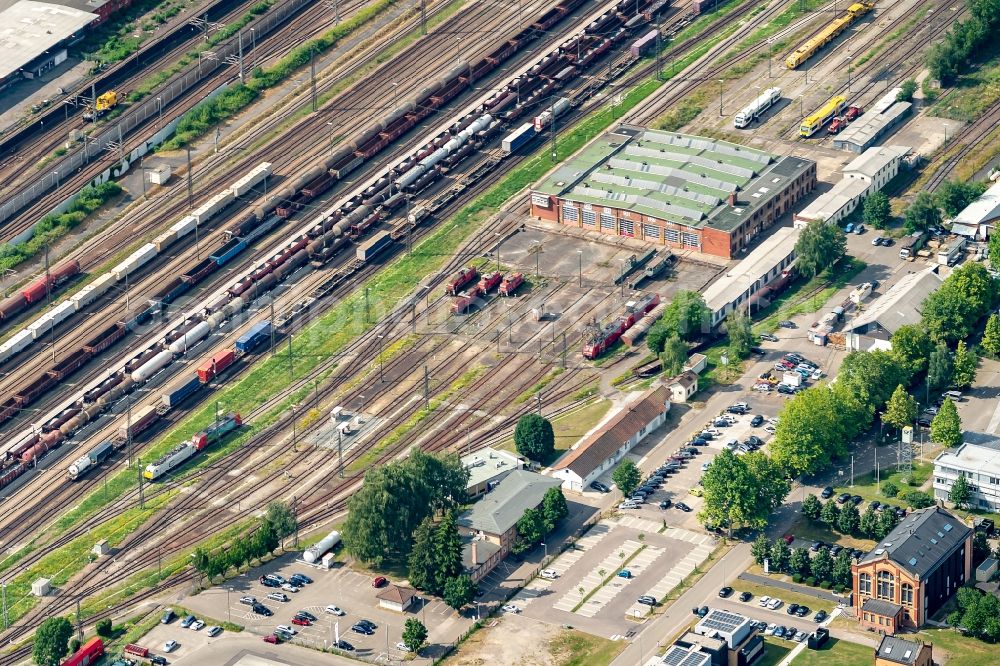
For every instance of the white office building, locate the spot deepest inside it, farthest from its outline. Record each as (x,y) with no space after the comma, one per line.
(979,463)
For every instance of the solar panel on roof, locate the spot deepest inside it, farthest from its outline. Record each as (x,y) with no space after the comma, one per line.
(947,527)
(912,561)
(720,620)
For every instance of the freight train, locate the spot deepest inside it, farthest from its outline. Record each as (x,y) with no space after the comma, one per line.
(598,339)
(188,449)
(332,231)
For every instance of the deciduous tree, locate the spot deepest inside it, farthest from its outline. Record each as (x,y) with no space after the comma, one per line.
(955,195)
(52,641)
(960,493)
(414,634)
(626,476)
(533,437)
(946,428)
(674,356)
(877,210)
(830,513)
(964,365)
(811,507)
(799,562)
(848,519)
(779,556)
(939,367)
(459,591)
(842,568)
(554,508)
(686,316)
(922,213)
(531,527)
(760,549)
(991,336)
(901,410)
(811,432)
(741,492)
(872,376)
(819,246)
(911,346)
(822,565)
(906,90)
(740,334)
(868,525)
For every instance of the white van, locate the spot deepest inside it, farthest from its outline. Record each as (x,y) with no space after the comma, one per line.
(955,396)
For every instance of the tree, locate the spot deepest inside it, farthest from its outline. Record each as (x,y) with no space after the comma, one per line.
(980,547)
(964,365)
(811,432)
(946,428)
(877,210)
(686,316)
(890,489)
(534,438)
(741,491)
(531,527)
(395,498)
(420,563)
(674,356)
(822,565)
(911,346)
(811,507)
(955,195)
(872,376)
(886,522)
(104,628)
(799,562)
(447,551)
(830,513)
(760,549)
(918,499)
(868,525)
(779,556)
(993,251)
(922,213)
(849,519)
(414,634)
(960,493)
(626,476)
(991,336)
(901,410)
(281,517)
(52,641)
(951,312)
(459,591)
(554,508)
(740,334)
(74,645)
(939,367)
(820,245)
(842,568)
(906,90)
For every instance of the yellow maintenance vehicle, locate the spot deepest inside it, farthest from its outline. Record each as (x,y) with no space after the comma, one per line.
(828,34)
(103,104)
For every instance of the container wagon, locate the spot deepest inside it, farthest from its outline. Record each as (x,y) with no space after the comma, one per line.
(373,246)
(253,338)
(518,138)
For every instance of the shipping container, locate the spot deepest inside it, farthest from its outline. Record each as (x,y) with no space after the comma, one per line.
(211,208)
(251,180)
(257,334)
(373,246)
(164,240)
(642,45)
(91,459)
(213,366)
(185,226)
(518,138)
(17,342)
(141,420)
(177,394)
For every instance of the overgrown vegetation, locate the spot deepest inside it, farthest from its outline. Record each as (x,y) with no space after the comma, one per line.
(963,45)
(53,227)
(121,36)
(231,101)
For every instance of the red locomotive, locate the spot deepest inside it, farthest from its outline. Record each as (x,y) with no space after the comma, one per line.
(489,281)
(464,301)
(598,339)
(511,283)
(462,278)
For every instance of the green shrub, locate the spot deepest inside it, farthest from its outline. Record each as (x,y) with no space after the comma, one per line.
(890,489)
(918,499)
(825,585)
(796,578)
(811,581)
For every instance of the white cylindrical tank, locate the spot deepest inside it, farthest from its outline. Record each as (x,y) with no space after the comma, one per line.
(186,341)
(152,366)
(313,554)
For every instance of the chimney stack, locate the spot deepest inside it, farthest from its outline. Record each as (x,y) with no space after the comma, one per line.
(732,198)
(475,554)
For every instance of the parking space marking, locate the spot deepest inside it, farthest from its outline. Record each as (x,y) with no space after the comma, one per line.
(637,565)
(641,524)
(689,536)
(561,564)
(593,578)
(680,571)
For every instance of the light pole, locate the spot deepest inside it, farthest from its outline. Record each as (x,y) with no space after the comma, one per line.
(721,83)
(159,112)
(499,244)
(945,132)
(395,93)
(229,607)
(849,58)
(579,254)
(56,174)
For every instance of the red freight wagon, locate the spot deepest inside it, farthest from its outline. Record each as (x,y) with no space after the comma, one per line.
(213,366)
(88,654)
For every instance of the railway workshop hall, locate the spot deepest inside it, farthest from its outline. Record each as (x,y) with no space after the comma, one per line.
(676,190)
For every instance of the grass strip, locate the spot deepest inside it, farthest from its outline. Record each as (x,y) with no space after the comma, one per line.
(196,122)
(607,579)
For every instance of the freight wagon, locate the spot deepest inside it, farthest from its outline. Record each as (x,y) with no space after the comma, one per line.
(518,138)
(213,366)
(254,337)
(373,246)
(140,422)
(178,394)
(88,654)
(91,459)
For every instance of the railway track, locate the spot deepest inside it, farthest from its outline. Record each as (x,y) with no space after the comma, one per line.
(971,138)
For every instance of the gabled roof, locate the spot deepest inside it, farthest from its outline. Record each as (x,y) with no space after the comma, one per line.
(881,607)
(501,509)
(601,445)
(984,209)
(875,158)
(686,379)
(903,303)
(921,541)
(898,650)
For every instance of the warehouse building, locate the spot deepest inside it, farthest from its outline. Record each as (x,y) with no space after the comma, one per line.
(742,283)
(34,35)
(978,217)
(864,175)
(872,127)
(901,305)
(675,190)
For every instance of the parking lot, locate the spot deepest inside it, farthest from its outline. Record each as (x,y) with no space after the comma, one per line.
(343,587)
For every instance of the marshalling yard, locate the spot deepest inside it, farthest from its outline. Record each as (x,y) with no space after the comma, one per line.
(288,284)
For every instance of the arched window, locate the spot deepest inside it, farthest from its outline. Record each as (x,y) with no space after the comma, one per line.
(906,594)
(865,584)
(886,585)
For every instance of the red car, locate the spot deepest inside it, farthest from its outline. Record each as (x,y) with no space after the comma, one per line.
(301,621)
(379,581)
(788,538)
(272,639)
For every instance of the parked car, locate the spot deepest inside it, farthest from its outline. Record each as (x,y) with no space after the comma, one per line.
(767,337)
(272,639)
(701,611)
(248,600)
(278,596)
(646,600)
(285,628)
(763,601)
(820,616)
(745,597)
(771,628)
(849,228)
(169,615)
(170,646)
(791,609)
(288,587)
(549,574)
(600,487)
(665,504)
(625,573)
(725,592)
(345,646)
(816,545)
(261,609)
(779,632)
(788,538)
(683,507)
(299,579)
(213,631)
(362,629)
(628,504)
(334,610)
(380,581)
(843,497)
(197,625)
(799,636)
(510,608)
(774,603)
(155,660)
(786,324)
(187,621)
(275,577)
(301,621)
(802,611)
(756,421)
(307,615)
(877,240)
(269,582)
(857,499)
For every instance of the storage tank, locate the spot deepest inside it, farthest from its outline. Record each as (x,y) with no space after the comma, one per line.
(189,339)
(313,554)
(152,366)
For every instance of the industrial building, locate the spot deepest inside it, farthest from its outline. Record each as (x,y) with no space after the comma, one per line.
(721,638)
(913,571)
(34,35)
(979,463)
(606,446)
(676,190)
(873,125)
(487,468)
(864,175)
(901,305)
(743,283)
(976,219)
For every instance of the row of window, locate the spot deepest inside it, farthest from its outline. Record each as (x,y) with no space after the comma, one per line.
(871,617)
(885,588)
(626,227)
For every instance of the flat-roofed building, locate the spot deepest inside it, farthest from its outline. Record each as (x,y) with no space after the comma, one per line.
(867,130)
(976,219)
(487,468)
(979,464)
(677,190)
(33,36)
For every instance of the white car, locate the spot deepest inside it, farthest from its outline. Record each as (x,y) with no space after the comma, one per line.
(714,432)
(197,625)
(774,420)
(402,646)
(770,428)
(770,629)
(170,646)
(288,587)
(817,374)
(285,628)
(510,608)
(548,573)
(278,596)
(628,505)
(763,601)
(335,610)
(214,631)
(775,604)
(705,466)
